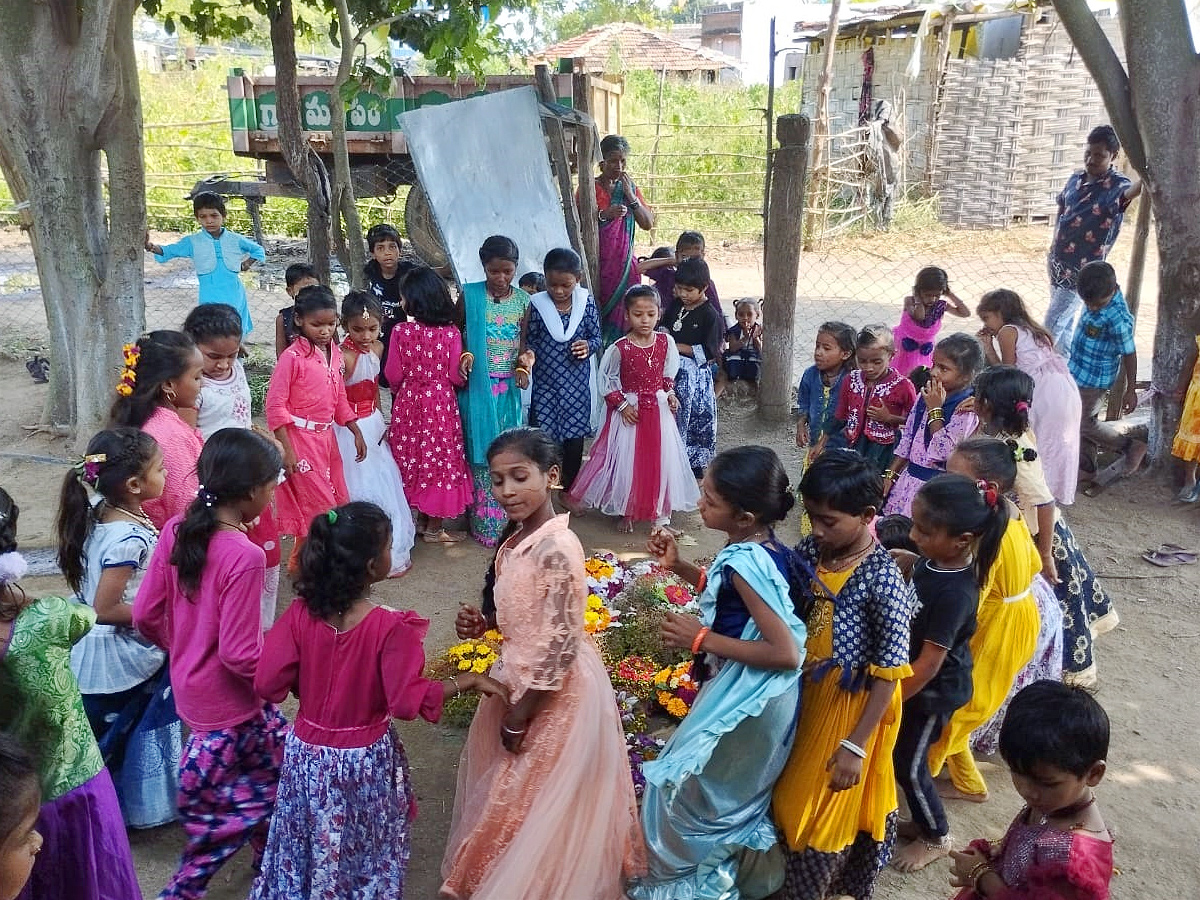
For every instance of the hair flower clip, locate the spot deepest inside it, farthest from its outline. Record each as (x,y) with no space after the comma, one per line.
(131,353)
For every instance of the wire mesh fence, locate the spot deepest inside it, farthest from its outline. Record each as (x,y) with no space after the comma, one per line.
(699,157)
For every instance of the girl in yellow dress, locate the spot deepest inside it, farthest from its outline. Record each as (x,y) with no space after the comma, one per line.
(835,802)
(1186,445)
(1006,634)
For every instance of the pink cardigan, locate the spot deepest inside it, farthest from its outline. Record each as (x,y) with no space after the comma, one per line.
(181,445)
(214,638)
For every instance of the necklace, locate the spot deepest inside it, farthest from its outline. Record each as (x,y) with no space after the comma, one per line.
(837,563)
(762,532)
(140,517)
(649,351)
(236,526)
(683,314)
(1067,812)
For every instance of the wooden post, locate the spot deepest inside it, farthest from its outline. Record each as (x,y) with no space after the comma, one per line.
(820,134)
(1133,292)
(585,145)
(788,171)
(939,77)
(561,165)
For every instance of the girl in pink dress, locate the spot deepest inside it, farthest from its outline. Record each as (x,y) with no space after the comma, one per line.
(343,819)
(161,383)
(1011,337)
(545,808)
(1054,739)
(304,400)
(638,468)
(425,363)
(921,319)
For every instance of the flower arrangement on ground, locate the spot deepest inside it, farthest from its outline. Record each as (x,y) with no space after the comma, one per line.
(675,690)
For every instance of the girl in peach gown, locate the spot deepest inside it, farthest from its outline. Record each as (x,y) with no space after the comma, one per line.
(544,808)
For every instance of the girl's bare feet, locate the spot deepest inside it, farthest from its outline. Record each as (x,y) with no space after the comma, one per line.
(625,526)
(917,855)
(442,536)
(947,791)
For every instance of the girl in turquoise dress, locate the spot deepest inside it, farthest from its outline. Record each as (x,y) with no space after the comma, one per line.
(496,372)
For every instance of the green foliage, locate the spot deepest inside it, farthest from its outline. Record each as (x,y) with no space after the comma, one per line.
(567,23)
(711,152)
(454,34)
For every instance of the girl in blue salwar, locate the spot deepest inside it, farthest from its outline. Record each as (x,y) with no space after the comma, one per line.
(495,371)
(706,809)
(218,255)
(564,335)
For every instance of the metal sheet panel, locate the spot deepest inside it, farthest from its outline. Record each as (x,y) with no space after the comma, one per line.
(484,167)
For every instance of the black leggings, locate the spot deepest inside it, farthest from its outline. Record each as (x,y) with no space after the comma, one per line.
(918,731)
(572,452)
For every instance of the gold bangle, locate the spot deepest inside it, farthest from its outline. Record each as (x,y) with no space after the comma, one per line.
(521,369)
(889,474)
(457,689)
(936,415)
(978,874)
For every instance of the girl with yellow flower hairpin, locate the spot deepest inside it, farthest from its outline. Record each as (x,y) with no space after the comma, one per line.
(157,392)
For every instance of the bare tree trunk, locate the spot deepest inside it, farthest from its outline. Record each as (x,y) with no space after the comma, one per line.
(307,167)
(783,242)
(343,182)
(69,93)
(1155,107)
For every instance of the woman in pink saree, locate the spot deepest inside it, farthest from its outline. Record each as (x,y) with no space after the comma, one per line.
(622,210)
(544,808)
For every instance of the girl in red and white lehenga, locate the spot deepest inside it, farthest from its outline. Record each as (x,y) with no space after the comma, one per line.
(305,398)
(638,468)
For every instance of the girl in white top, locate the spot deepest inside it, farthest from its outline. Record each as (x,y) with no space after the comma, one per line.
(104,547)
(376,479)
(224,402)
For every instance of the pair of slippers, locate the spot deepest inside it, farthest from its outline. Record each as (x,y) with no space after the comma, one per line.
(1167,555)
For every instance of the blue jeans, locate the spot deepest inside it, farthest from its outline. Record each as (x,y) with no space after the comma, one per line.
(1062,317)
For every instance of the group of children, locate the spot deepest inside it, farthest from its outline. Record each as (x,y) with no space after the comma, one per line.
(826,677)
(863,660)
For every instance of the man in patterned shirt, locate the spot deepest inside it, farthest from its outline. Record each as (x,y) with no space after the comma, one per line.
(1103,346)
(1090,209)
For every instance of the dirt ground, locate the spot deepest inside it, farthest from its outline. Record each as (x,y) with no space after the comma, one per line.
(1148,666)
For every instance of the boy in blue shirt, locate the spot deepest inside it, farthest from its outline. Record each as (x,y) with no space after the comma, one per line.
(218,254)
(1104,344)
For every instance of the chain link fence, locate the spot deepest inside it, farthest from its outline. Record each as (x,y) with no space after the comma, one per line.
(698,156)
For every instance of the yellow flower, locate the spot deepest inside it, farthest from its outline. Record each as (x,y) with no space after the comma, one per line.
(493,635)
(677,707)
(480,666)
(594,602)
(464,666)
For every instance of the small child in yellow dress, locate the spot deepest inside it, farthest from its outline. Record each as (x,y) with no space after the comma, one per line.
(1187,439)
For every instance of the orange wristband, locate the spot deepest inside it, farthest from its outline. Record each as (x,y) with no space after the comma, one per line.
(703,582)
(699,639)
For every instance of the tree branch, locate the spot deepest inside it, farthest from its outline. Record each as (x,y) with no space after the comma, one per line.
(1111,78)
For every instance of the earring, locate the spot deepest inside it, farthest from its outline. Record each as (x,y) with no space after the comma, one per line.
(170,392)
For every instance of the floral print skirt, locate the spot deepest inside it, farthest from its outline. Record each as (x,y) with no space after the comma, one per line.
(342,823)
